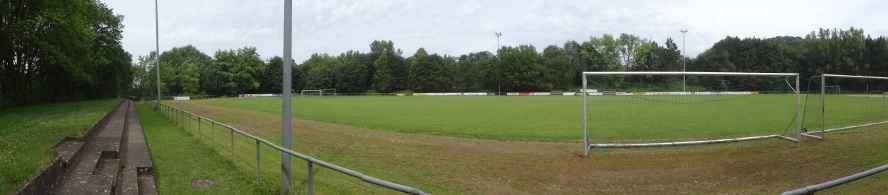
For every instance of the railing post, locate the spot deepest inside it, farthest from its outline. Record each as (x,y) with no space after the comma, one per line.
(232,144)
(199,132)
(310,178)
(213,133)
(189,124)
(258,171)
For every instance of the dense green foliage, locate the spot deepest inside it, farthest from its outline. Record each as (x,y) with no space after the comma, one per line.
(58,50)
(30,131)
(824,51)
(522,67)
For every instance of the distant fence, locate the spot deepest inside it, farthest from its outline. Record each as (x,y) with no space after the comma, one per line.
(179,114)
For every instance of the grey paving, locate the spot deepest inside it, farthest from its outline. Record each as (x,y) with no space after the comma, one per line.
(113,160)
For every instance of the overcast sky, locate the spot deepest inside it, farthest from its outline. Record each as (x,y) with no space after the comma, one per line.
(458,27)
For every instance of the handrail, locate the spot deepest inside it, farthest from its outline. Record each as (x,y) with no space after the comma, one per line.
(359,175)
(826,185)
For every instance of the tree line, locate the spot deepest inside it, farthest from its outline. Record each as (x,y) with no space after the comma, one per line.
(61,50)
(825,51)
(512,68)
(187,71)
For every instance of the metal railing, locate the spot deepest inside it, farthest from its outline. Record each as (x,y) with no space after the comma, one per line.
(826,185)
(178,114)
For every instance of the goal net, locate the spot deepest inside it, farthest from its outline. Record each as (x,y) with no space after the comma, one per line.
(838,102)
(317,93)
(643,109)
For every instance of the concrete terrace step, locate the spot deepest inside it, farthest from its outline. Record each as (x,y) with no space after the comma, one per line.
(68,148)
(86,184)
(112,160)
(137,176)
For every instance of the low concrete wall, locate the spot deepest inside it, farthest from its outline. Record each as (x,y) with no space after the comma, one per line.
(53,173)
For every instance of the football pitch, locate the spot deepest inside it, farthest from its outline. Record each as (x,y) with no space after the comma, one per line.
(470,155)
(559,118)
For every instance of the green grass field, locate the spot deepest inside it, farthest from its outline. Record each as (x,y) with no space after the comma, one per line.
(611,118)
(27,134)
(511,118)
(442,164)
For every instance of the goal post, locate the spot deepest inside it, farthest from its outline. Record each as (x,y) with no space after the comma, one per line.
(328,92)
(849,101)
(649,109)
(310,93)
(317,93)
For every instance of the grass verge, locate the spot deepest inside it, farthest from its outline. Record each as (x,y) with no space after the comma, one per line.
(180,158)
(188,149)
(27,134)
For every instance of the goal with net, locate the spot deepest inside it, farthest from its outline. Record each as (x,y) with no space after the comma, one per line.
(317,93)
(844,102)
(644,109)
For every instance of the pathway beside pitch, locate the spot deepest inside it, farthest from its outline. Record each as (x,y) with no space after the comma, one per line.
(111,158)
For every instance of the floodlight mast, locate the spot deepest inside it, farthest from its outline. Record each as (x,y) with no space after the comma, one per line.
(499,84)
(683,66)
(498,35)
(286,107)
(157,56)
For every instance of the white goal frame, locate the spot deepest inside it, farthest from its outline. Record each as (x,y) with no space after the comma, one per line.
(823,129)
(320,92)
(588,146)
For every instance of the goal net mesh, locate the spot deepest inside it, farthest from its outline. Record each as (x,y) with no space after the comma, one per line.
(318,93)
(669,108)
(836,102)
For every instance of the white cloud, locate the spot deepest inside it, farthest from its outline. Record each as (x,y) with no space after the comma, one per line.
(459,27)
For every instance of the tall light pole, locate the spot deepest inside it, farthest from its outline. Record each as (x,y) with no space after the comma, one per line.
(499,88)
(498,35)
(684,80)
(286,107)
(157,57)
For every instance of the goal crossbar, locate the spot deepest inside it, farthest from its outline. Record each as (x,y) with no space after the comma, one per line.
(587,146)
(694,73)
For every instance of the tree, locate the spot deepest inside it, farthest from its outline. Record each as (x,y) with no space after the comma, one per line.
(188,79)
(877,56)
(144,76)
(317,72)
(836,52)
(384,78)
(664,59)
(394,69)
(469,74)
(602,53)
(240,69)
(427,73)
(633,51)
(350,74)
(178,76)
(560,71)
(57,50)
(522,69)
(577,60)
(272,79)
